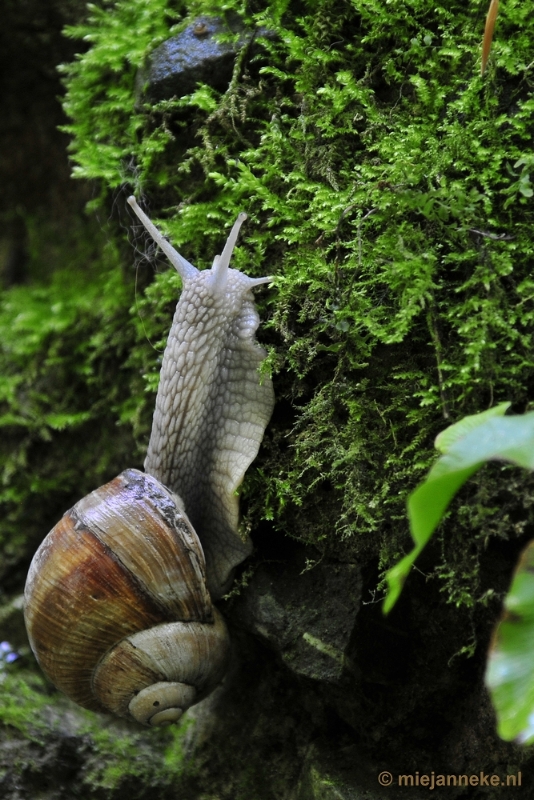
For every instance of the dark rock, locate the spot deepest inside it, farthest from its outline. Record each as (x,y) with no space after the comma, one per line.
(329,774)
(194,56)
(311,637)
(34,168)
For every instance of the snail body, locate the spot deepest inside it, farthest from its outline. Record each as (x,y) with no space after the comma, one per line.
(211,408)
(118,600)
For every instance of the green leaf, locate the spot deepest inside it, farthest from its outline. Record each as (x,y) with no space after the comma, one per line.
(510,667)
(468,445)
(426,506)
(446,438)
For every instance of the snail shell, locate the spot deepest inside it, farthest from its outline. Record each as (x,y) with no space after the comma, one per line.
(117,608)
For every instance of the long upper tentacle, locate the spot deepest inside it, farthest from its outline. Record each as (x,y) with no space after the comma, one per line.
(183,267)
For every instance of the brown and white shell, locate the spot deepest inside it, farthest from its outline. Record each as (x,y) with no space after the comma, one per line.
(116,604)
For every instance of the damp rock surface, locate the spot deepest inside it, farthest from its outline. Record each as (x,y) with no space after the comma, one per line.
(196,55)
(312,638)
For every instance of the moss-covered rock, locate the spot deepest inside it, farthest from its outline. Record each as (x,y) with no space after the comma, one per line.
(388,189)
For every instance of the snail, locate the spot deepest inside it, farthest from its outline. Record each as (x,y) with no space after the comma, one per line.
(119,596)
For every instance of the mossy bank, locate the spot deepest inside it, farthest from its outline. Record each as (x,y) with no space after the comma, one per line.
(388,189)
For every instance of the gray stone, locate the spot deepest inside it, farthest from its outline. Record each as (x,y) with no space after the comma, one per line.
(307,615)
(194,56)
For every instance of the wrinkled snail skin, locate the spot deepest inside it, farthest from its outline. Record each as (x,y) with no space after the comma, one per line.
(211,408)
(118,600)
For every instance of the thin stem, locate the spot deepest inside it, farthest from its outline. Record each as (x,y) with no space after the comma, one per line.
(437,348)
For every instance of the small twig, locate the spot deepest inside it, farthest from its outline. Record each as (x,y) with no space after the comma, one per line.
(330,46)
(372,211)
(497,237)
(342,217)
(374,599)
(437,347)
(488,34)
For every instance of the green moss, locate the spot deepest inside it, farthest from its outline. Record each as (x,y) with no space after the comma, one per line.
(101,99)
(23,698)
(75,407)
(389,190)
(116,758)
